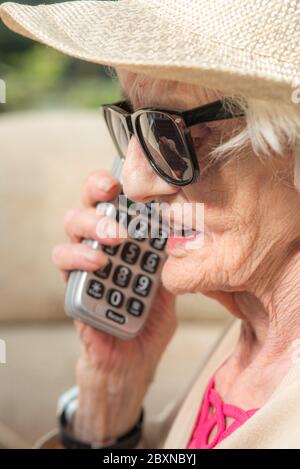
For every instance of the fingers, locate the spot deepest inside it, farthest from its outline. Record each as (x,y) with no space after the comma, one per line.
(88,224)
(68,257)
(100,186)
(79,326)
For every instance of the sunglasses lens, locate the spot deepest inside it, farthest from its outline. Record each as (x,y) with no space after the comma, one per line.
(165,145)
(118,131)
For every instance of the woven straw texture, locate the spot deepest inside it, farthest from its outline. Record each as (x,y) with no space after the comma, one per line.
(247,47)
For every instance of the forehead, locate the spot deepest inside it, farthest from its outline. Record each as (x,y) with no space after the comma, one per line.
(143,91)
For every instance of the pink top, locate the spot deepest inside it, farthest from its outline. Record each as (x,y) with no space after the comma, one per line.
(212,418)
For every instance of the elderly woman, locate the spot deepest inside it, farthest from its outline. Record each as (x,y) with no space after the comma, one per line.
(246,173)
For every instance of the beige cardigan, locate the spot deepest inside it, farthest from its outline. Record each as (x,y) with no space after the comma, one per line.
(275,425)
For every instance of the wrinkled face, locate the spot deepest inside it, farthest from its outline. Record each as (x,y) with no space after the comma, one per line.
(249,206)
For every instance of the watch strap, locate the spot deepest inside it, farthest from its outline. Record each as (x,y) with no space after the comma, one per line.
(67,406)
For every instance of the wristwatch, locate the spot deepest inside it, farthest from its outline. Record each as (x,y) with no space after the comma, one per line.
(66,408)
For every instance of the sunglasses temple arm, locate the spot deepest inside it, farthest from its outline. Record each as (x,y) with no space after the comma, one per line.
(209,113)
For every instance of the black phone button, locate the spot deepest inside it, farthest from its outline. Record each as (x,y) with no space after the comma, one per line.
(135,307)
(130,253)
(158,243)
(116,317)
(105,270)
(115,298)
(150,262)
(122,276)
(110,250)
(95,289)
(142,285)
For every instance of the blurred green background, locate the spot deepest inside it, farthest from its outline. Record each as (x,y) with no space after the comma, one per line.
(37,76)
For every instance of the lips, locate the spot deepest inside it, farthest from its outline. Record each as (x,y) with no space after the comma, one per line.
(190,241)
(180,235)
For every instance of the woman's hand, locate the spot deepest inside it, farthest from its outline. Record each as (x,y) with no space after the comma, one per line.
(113,374)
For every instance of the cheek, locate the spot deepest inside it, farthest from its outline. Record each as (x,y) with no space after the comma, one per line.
(223,263)
(235,237)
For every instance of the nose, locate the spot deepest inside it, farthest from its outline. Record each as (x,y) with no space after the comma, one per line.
(140,181)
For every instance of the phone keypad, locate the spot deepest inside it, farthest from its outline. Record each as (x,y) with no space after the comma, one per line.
(129,276)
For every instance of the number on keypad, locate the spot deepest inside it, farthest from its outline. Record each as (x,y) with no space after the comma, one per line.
(142,285)
(115,298)
(105,270)
(122,276)
(130,253)
(150,262)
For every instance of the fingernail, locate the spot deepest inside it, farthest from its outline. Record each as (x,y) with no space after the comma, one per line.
(106,184)
(109,228)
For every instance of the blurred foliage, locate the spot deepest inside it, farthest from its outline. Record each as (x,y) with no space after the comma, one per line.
(42,77)
(37,76)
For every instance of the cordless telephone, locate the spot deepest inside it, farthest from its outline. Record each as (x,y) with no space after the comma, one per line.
(117,298)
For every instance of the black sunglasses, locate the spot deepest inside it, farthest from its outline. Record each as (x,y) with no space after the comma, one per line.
(164,135)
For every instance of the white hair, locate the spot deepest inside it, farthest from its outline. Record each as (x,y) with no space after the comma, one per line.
(271,127)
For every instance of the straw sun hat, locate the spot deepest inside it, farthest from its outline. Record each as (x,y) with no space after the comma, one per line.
(247,47)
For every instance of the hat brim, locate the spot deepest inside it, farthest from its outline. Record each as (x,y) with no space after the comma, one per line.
(123,34)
